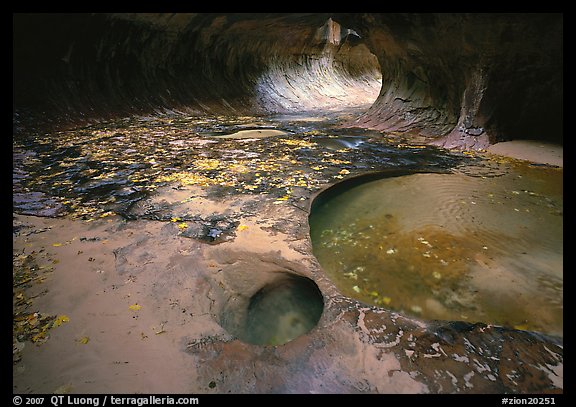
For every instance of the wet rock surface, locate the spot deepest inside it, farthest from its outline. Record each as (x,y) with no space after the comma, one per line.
(164,167)
(112,166)
(216,223)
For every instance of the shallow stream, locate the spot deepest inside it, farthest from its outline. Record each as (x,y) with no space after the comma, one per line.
(437,234)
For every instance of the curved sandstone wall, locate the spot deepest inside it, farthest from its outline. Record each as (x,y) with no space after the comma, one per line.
(463,80)
(467,78)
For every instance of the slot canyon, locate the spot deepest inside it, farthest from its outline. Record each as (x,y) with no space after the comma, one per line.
(287,203)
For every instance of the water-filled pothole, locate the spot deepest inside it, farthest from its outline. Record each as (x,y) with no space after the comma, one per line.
(449,246)
(280,311)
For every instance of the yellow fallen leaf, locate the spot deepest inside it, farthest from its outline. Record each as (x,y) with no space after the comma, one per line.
(135,307)
(175,220)
(39,337)
(56,244)
(32,319)
(299,143)
(182,225)
(242,227)
(60,319)
(64,389)
(84,340)
(207,164)
(238,168)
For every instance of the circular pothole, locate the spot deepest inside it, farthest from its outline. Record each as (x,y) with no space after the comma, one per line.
(280,311)
(448,246)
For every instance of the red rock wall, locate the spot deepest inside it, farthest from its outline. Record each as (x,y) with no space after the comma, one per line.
(467,78)
(460,79)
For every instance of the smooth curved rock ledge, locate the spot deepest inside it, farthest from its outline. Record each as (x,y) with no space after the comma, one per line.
(530,150)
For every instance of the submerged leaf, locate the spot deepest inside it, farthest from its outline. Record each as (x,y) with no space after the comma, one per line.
(60,319)
(135,307)
(64,389)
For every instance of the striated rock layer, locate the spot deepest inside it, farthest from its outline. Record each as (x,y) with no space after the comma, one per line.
(464,80)
(110,65)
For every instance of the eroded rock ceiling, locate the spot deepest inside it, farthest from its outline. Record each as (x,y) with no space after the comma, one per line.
(463,80)
(455,80)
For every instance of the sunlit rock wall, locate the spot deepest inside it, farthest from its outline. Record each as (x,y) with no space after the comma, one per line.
(333,71)
(71,66)
(463,80)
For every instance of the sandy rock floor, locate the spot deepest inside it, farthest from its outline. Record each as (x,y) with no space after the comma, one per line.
(534,151)
(138,307)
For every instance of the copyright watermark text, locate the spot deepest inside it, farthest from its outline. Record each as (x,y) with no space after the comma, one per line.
(101,401)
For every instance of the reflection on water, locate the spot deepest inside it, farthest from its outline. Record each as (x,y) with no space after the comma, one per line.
(106,168)
(450,246)
(483,244)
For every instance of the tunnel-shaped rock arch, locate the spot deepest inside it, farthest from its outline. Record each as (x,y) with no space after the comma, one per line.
(232,64)
(160,177)
(462,80)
